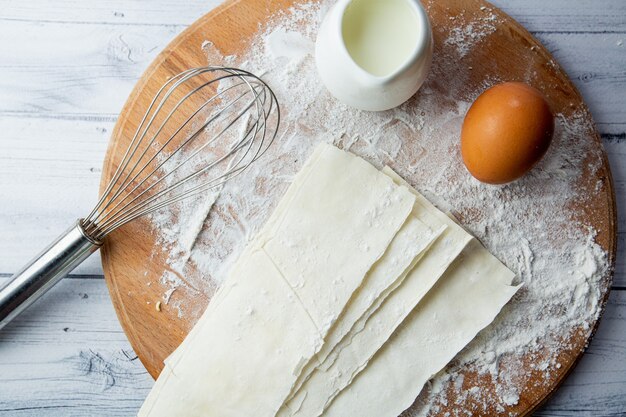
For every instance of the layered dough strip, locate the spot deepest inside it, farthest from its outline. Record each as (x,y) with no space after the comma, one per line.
(400,259)
(462,303)
(320,309)
(330,163)
(338,225)
(341,209)
(259,240)
(239,346)
(349,357)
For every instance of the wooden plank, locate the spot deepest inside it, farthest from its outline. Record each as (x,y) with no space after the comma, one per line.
(41,76)
(69,71)
(110,12)
(50,167)
(616,151)
(49,176)
(596,63)
(604,16)
(67,355)
(536,15)
(50,171)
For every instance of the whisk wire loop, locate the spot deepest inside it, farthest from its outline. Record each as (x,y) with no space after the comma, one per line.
(151,176)
(124,211)
(127,182)
(160,168)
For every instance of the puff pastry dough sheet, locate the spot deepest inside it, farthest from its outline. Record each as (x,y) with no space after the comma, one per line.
(339,223)
(341,216)
(352,354)
(258,241)
(334,222)
(254,338)
(463,302)
(410,244)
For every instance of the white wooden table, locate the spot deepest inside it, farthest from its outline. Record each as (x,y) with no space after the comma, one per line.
(66,68)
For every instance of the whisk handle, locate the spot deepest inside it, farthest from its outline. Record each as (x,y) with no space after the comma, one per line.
(46,269)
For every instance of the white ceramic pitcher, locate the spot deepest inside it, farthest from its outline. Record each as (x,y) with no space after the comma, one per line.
(374,54)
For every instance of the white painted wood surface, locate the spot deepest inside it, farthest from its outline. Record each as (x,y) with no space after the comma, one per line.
(66,68)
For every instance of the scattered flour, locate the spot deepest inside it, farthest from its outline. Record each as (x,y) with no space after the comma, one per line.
(528,224)
(465,36)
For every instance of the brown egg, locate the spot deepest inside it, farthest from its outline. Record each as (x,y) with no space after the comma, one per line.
(506,132)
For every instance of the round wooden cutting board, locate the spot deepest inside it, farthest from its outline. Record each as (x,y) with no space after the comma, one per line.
(132,256)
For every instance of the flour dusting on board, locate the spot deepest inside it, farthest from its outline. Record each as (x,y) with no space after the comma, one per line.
(530,224)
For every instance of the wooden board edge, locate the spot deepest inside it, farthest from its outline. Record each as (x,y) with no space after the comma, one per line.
(611,204)
(158,61)
(107,265)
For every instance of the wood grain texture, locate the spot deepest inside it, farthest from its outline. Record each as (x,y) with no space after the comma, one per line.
(510,53)
(588,16)
(72,363)
(72,129)
(68,356)
(93,79)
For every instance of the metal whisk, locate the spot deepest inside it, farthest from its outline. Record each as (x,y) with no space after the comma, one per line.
(203,127)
